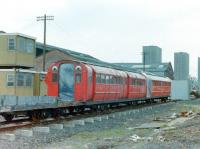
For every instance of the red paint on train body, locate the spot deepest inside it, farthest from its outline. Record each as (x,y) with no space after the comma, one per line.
(80,82)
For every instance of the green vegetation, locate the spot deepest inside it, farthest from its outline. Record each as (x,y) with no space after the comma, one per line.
(107,133)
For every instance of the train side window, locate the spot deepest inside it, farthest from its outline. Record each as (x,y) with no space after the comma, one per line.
(120,80)
(117,80)
(98,78)
(107,79)
(89,76)
(111,79)
(102,78)
(134,82)
(139,82)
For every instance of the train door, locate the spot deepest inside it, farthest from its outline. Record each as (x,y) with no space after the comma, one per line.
(66,82)
(90,84)
(149,87)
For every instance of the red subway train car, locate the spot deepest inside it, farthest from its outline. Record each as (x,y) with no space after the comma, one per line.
(82,82)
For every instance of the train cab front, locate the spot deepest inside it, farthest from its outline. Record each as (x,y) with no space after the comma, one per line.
(66,80)
(60,80)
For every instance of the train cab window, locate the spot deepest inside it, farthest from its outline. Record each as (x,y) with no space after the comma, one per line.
(78,74)
(102,79)
(54,77)
(78,78)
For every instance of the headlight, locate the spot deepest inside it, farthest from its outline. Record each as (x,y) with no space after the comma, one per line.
(54,68)
(78,69)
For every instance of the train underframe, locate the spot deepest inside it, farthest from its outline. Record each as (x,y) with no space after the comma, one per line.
(80,107)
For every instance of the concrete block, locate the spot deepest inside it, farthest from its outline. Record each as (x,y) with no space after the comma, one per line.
(89,120)
(7,136)
(119,114)
(124,113)
(24,133)
(105,117)
(41,129)
(69,125)
(98,119)
(79,122)
(56,126)
(112,116)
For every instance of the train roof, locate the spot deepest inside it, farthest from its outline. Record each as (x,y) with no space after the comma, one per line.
(109,71)
(136,75)
(157,78)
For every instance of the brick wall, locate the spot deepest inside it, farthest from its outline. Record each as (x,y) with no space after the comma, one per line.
(51,57)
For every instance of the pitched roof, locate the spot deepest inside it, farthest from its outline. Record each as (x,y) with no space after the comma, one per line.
(84,57)
(152,68)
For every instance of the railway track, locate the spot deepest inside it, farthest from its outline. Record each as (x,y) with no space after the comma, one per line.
(28,123)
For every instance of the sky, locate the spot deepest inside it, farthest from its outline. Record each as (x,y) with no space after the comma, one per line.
(110,30)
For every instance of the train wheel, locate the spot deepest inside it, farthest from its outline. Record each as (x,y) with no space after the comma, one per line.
(8,117)
(71,110)
(80,109)
(35,116)
(44,114)
(55,114)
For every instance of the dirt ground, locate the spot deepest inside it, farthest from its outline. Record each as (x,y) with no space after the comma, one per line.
(173,126)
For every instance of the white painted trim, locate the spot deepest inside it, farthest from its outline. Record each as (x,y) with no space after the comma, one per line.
(21,70)
(17,34)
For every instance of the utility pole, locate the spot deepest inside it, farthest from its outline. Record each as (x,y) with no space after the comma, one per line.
(44,18)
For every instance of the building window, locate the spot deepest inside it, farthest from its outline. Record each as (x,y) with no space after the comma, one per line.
(25,45)
(29,45)
(20,79)
(29,78)
(10,80)
(11,44)
(22,44)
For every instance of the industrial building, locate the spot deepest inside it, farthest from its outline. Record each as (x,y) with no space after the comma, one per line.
(17,59)
(162,69)
(152,55)
(54,54)
(17,50)
(181,66)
